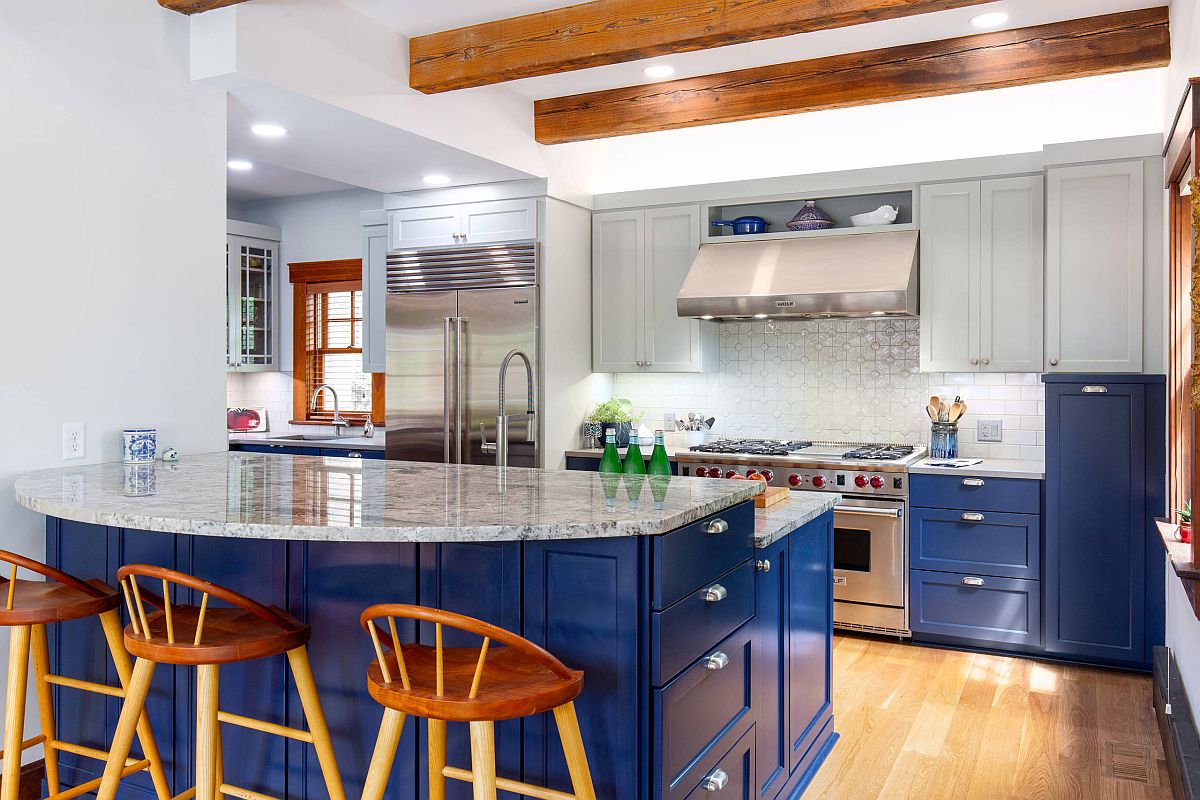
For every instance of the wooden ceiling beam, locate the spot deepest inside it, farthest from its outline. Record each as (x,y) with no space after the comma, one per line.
(614,31)
(196,6)
(1078,48)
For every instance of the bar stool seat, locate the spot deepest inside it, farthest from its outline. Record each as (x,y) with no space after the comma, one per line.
(516,686)
(229,635)
(47,602)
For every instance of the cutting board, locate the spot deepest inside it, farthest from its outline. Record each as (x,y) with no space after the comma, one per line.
(772,496)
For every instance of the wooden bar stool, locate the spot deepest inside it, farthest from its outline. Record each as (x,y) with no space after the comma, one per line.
(478,686)
(30,607)
(206,637)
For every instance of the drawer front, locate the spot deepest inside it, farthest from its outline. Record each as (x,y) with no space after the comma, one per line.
(692,557)
(976,542)
(337,452)
(275,449)
(984,609)
(731,778)
(700,714)
(694,625)
(972,493)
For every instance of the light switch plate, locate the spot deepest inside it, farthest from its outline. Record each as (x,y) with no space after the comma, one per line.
(990,430)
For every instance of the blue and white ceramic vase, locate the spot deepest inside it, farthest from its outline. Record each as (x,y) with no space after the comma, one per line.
(810,218)
(141,444)
(141,480)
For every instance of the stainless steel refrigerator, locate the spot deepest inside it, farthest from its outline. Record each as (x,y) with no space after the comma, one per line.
(452,317)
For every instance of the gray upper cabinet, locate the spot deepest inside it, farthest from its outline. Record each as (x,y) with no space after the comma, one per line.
(1094,268)
(639,261)
(252,271)
(374,258)
(981,276)
(464,224)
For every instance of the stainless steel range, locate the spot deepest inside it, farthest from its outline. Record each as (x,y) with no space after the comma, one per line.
(870,588)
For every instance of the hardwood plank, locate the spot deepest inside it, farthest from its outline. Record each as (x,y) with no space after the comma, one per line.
(1058,51)
(614,31)
(196,6)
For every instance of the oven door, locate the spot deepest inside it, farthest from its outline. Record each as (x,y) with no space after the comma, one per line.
(868,552)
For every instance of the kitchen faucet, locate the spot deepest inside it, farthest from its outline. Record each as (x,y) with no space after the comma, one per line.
(500,448)
(338,422)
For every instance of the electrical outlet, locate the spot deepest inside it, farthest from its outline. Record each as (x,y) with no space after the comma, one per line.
(669,422)
(74,437)
(990,430)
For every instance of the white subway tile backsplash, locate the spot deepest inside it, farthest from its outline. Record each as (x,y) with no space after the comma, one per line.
(842,380)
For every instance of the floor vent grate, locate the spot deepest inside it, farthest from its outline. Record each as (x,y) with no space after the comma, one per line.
(1128,762)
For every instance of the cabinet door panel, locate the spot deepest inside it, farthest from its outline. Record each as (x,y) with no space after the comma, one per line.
(1095,219)
(810,633)
(673,344)
(950,230)
(772,689)
(425,227)
(618,267)
(374,255)
(1011,270)
(499,221)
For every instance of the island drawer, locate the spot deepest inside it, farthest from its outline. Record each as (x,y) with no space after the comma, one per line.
(693,556)
(982,609)
(979,542)
(973,493)
(695,624)
(733,776)
(701,714)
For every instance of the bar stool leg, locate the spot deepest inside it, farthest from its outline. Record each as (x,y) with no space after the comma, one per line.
(219,766)
(14,710)
(437,759)
(132,711)
(311,701)
(385,753)
(572,742)
(483,760)
(41,668)
(110,621)
(207,708)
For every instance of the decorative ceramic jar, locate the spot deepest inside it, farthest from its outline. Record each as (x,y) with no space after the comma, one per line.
(943,440)
(141,480)
(141,445)
(593,435)
(810,218)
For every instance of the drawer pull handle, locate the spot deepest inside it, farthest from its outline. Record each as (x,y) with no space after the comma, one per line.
(972,516)
(716,526)
(763,566)
(715,593)
(717,660)
(972,581)
(974,482)
(716,780)
(1095,390)
(354,454)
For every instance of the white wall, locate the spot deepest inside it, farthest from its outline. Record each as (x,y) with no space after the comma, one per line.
(113,223)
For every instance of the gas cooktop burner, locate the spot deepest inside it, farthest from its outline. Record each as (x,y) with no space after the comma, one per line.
(754,447)
(879,452)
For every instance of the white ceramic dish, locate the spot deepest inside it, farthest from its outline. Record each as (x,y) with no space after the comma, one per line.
(884,215)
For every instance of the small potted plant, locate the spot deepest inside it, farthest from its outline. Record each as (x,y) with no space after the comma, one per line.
(617,414)
(1185,522)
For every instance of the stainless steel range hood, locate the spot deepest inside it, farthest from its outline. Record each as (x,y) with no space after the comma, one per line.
(849,275)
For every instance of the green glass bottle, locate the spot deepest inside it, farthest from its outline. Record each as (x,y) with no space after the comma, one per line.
(635,463)
(659,463)
(633,487)
(611,460)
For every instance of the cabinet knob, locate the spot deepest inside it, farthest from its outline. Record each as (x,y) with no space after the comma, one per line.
(716,780)
(1054,362)
(763,566)
(717,526)
(974,361)
(717,660)
(715,593)
(354,454)
(987,361)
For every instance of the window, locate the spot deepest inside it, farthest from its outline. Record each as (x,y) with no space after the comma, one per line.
(328,334)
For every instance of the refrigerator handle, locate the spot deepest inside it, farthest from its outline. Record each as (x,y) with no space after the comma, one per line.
(447,368)
(460,390)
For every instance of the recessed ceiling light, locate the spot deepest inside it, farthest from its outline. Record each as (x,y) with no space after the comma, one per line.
(659,71)
(239,164)
(268,129)
(436,179)
(992,19)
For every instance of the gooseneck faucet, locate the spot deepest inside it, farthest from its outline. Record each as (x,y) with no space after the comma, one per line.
(502,417)
(338,422)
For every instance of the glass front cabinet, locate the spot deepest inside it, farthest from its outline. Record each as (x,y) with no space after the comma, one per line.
(250,311)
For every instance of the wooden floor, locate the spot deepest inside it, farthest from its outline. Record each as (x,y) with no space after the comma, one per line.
(929,724)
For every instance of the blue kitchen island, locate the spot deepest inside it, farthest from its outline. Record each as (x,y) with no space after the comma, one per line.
(703,626)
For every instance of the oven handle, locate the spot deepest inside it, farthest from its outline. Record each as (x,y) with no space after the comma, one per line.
(875,512)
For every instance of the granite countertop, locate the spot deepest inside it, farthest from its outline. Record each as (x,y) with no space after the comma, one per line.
(772,524)
(988,468)
(340,443)
(269,496)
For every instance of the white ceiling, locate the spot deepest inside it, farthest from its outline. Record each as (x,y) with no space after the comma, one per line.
(266,181)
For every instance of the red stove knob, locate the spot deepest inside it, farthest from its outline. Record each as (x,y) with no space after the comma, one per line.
(714,472)
(860,481)
(876,482)
(770,476)
(795,480)
(751,472)
(819,481)
(730,473)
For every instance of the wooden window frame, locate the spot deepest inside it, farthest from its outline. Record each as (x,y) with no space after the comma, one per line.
(302,275)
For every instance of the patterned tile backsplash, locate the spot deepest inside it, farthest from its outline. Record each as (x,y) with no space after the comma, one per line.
(843,380)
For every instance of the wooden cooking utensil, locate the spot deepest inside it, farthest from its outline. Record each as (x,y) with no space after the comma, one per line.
(932,411)
(957,410)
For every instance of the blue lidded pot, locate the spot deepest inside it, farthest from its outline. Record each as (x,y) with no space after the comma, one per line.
(743,225)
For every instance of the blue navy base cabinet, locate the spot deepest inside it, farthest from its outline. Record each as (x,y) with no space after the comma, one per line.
(1105,477)
(304,450)
(685,644)
(589,464)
